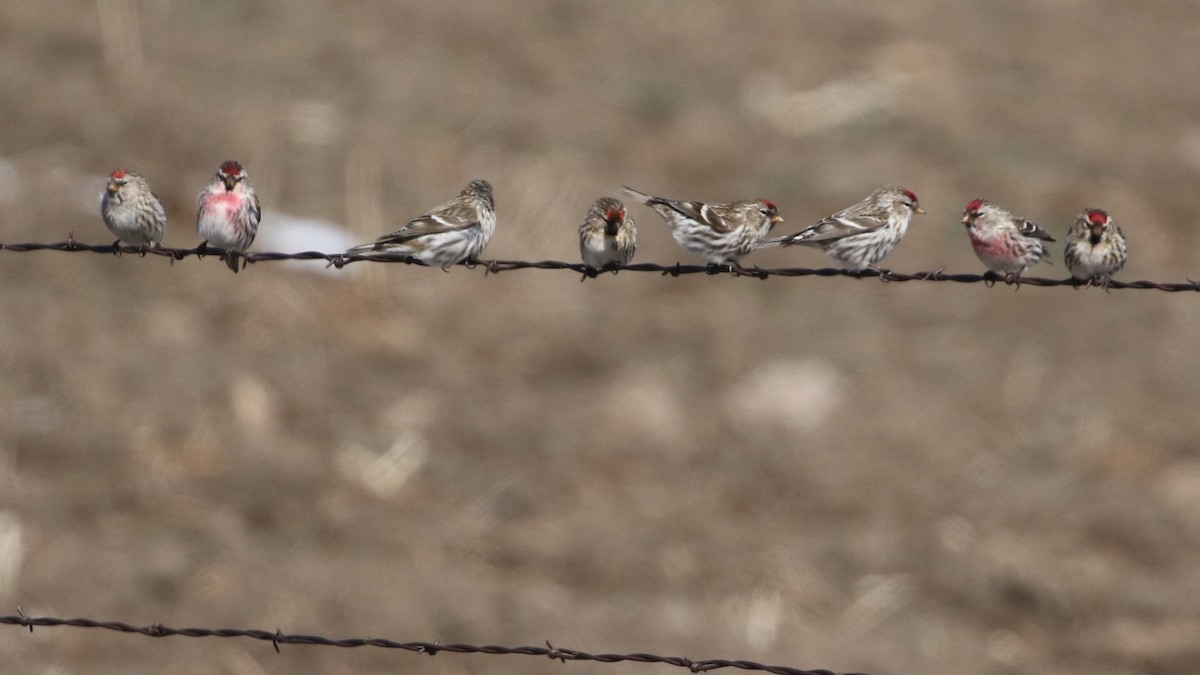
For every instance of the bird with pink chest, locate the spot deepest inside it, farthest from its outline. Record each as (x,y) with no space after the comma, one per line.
(228,212)
(1005,243)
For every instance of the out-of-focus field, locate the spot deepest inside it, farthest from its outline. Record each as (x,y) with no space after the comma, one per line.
(820,473)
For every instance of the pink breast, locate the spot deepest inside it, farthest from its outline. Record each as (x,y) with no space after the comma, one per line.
(993,247)
(224,201)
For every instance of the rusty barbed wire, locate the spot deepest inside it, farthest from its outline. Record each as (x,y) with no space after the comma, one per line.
(340,260)
(278,637)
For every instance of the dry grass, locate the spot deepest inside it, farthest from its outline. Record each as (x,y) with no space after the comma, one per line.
(819,473)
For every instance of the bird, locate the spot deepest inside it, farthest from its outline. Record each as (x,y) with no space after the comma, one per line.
(228,212)
(131,211)
(448,234)
(1095,248)
(720,234)
(861,235)
(607,235)
(1006,243)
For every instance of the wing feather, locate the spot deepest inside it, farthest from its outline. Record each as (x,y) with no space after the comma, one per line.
(450,217)
(836,227)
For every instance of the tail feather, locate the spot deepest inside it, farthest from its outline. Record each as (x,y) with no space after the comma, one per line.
(640,196)
(766,243)
(786,240)
(362,248)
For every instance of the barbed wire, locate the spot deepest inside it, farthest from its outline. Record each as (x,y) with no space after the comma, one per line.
(277,638)
(339,260)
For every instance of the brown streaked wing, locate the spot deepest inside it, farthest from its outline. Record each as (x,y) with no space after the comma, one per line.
(446,218)
(835,228)
(716,216)
(255,208)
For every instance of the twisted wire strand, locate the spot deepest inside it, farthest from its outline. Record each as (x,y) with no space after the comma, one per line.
(278,637)
(340,260)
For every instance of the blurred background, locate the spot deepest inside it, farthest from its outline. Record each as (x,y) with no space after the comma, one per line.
(819,473)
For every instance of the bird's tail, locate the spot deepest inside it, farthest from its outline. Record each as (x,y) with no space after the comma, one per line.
(640,196)
(362,248)
(231,260)
(786,240)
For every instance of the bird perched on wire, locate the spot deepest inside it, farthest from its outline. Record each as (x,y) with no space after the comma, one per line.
(719,234)
(861,235)
(448,234)
(228,212)
(1095,248)
(607,235)
(1005,243)
(132,212)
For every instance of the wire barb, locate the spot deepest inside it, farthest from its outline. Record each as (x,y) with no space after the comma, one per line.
(490,267)
(278,637)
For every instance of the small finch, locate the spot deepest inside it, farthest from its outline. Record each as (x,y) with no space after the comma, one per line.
(228,212)
(716,233)
(1006,244)
(607,235)
(1095,248)
(131,211)
(450,233)
(861,235)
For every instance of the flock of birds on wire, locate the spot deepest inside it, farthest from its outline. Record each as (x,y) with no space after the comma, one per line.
(856,238)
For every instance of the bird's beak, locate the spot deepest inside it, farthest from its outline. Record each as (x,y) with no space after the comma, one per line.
(229,183)
(966,219)
(918,210)
(112,188)
(776,219)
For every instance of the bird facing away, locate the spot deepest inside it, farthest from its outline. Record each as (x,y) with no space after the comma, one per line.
(859,236)
(448,234)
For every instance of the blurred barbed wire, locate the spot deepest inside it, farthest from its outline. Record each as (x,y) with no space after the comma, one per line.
(277,638)
(339,260)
